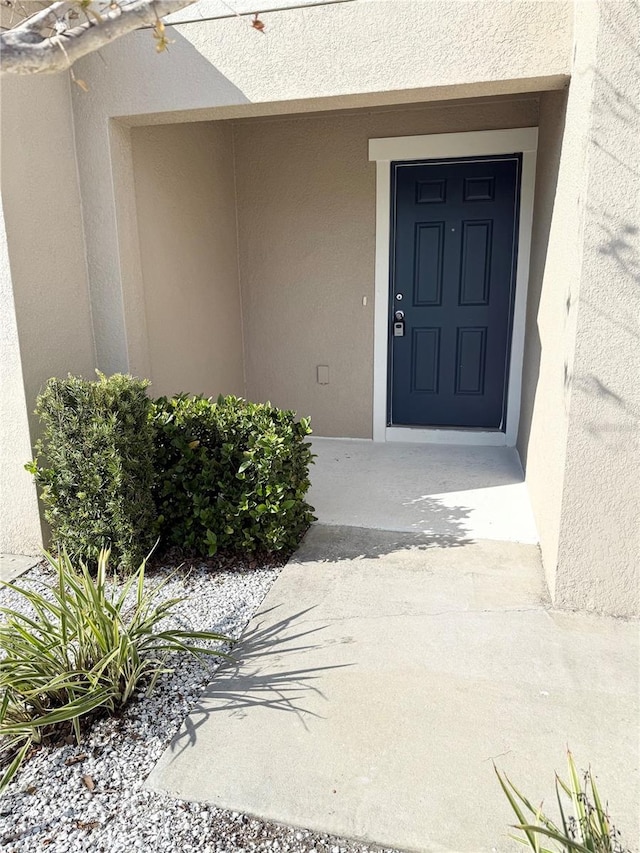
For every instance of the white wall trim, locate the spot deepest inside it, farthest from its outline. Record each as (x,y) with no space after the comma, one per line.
(476,143)
(430,147)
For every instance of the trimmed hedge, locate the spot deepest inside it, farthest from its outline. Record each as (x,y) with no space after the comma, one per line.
(96,485)
(119,469)
(231,475)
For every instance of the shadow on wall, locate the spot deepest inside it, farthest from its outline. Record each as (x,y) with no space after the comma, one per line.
(618,241)
(552,126)
(624,37)
(613,111)
(183,62)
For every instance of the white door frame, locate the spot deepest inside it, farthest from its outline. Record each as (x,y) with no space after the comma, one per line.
(434,146)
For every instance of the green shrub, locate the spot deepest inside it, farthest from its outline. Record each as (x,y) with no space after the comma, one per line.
(84,651)
(586,828)
(96,482)
(232,475)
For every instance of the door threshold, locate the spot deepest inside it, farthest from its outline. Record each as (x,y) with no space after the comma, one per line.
(438,435)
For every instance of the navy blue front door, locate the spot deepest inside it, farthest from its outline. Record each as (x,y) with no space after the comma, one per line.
(454,232)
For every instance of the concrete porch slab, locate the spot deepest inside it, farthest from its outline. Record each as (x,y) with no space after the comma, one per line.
(452,491)
(383,674)
(14,565)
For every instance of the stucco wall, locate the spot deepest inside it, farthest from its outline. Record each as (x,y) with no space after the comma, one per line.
(325,57)
(580,425)
(313,58)
(185,200)
(306,217)
(551,125)
(549,336)
(579,431)
(45,265)
(19,519)
(45,231)
(599,547)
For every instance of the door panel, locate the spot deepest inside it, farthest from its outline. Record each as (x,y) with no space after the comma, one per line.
(428,263)
(454,232)
(425,358)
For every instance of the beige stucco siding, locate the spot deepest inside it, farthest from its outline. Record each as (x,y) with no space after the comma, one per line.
(306,215)
(185,201)
(549,339)
(235,253)
(44,227)
(326,57)
(556,262)
(599,548)
(382,46)
(19,519)
(580,426)
(46,317)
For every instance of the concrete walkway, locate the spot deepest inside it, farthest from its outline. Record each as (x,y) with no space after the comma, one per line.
(450,491)
(14,565)
(385,671)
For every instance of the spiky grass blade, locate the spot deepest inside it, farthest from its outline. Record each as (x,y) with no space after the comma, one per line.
(578,801)
(604,826)
(588,830)
(86,648)
(571,846)
(507,787)
(14,765)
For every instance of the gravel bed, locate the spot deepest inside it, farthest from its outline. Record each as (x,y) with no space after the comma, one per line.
(49,806)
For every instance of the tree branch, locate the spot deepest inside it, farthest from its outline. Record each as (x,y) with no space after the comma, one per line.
(45,17)
(23,50)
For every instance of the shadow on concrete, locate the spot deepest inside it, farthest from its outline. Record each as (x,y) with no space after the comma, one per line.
(448,523)
(247,680)
(325,543)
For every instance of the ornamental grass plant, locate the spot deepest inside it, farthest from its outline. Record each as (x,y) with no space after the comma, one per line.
(585,825)
(80,648)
